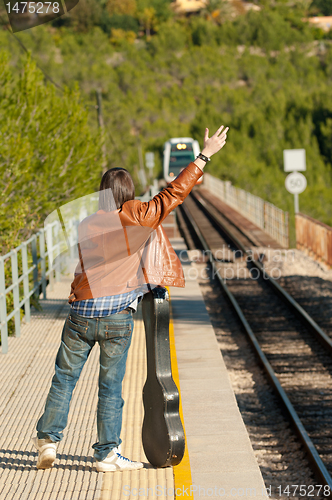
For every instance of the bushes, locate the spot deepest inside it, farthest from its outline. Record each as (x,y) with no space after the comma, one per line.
(321,7)
(268,29)
(203,32)
(124,22)
(171,37)
(260,74)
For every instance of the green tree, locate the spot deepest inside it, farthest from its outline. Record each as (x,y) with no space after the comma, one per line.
(323,7)
(48,155)
(262,73)
(127,7)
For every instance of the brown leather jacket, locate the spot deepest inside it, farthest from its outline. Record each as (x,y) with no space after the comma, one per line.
(123,250)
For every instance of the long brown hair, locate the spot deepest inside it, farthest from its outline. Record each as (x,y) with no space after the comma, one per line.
(118,182)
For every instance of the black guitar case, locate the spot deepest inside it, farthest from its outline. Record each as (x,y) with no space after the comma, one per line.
(162,431)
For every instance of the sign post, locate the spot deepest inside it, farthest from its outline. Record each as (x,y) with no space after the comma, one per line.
(295,183)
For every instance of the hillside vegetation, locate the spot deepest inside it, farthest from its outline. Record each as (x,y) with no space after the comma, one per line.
(266,74)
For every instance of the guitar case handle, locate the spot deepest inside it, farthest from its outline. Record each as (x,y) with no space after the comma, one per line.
(162,432)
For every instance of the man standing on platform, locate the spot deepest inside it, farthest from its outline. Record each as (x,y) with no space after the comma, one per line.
(123,252)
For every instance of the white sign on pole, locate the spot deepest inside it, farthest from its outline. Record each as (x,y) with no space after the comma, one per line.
(295,183)
(149,160)
(294,159)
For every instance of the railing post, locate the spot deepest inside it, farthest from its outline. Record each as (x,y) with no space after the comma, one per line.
(26,282)
(58,246)
(49,237)
(162,431)
(43,261)
(265,218)
(16,293)
(35,265)
(3,308)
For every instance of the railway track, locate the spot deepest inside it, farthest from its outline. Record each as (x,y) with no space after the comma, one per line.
(294,351)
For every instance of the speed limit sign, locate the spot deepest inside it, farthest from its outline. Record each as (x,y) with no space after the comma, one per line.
(295,183)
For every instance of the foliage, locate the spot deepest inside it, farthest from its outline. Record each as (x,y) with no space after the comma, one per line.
(123,22)
(321,7)
(265,74)
(119,14)
(47,152)
(161,8)
(121,7)
(119,36)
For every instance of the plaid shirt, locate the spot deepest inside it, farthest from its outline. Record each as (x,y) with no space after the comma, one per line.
(105,306)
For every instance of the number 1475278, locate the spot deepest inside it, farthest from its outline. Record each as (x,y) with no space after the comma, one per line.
(33,7)
(302,490)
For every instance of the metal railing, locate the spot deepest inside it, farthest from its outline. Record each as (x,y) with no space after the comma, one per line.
(314,237)
(24,272)
(265,215)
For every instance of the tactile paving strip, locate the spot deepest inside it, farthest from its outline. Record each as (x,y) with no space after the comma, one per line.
(25,373)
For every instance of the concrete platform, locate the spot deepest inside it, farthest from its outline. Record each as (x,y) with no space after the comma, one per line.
(26,372)
(220,463)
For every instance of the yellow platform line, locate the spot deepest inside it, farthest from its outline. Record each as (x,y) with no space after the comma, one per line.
(182,472)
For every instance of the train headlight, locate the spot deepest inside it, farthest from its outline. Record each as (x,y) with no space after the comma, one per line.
(171,174)
(181,146)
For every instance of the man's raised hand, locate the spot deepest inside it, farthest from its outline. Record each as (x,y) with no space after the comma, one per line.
(214,144)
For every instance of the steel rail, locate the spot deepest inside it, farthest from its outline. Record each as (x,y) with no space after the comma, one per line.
(316,461)
(219,221)
(304,317)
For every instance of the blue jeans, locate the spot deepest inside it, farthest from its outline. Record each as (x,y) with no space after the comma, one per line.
(79,335)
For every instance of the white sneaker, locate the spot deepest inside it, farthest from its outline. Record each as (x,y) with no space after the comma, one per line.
(115,461)
(47,452)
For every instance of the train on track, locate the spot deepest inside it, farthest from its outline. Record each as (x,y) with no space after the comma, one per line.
(178,153)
